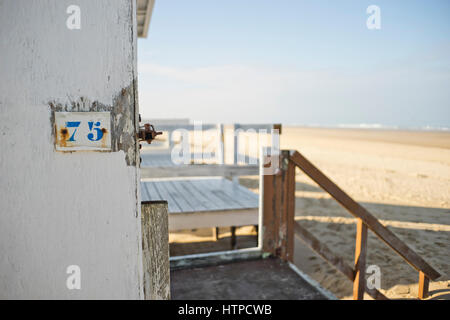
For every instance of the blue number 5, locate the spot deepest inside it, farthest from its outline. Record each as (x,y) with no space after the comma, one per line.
(99,131)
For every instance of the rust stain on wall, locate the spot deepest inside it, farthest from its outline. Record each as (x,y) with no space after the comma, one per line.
(123,129)
(105,132)
(63,137)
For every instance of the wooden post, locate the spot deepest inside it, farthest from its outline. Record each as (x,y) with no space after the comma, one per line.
(359,283)
(233,238)
(267,207)
(235,128)
(288,207)
(424,282)
(216,233)
(155,250)
(220,144)
(278,209)
(236,131)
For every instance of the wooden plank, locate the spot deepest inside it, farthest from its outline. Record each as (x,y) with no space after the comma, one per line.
(283,211)
(166,121)
(359,284)
(221,144)
(214,193)
(226,190)
(288,208)
(164,193)
(277,211)
(212,219)
(233,238)
(191,188)
(176,196)
(268,214)
(239,194)
(322,250)
(272,189)
(216,233)
(277,126)
(246,193)
(180,194)
(150,192)
(423,285)
(183,126)
(223,189)
(215,196)
(249,197)
(192,197)
(145,194)
(360,212)
(155,250)
(236,133)
(222,202)
(257,126)
(232,202)
(236,188)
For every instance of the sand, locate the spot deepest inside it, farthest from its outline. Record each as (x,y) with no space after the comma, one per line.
(401,177)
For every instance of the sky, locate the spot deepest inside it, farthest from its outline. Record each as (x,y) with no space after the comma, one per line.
(297,62)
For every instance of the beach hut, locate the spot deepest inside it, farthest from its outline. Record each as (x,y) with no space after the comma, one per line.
(70,207)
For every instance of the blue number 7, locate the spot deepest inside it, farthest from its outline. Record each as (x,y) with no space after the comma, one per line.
(73,124)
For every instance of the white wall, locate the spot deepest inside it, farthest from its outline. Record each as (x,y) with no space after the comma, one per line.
(60,209)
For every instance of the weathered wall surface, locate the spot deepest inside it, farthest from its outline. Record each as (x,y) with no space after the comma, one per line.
(59,209)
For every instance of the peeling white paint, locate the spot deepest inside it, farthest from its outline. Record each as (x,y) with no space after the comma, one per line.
(62,209)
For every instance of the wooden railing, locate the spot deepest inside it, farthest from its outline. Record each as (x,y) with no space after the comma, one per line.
(279,226)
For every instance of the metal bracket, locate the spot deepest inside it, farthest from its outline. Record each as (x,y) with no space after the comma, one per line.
(148,133)
(285,159)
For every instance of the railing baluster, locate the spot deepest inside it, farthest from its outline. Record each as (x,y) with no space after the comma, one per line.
(359,284)
(267,206)
(424,282)
(288,208)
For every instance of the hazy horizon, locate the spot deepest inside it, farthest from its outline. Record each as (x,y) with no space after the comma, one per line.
(298,63)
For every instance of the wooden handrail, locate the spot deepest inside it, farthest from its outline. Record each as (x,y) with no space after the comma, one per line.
(279,227)
(360,212)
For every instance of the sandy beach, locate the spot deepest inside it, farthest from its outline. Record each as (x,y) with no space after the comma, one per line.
(401,177)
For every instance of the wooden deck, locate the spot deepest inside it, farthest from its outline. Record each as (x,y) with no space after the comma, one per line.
(197,194)
(164,159)
(203,202)
(254,280)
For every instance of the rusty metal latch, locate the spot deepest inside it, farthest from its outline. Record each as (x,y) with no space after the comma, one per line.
(148,133)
